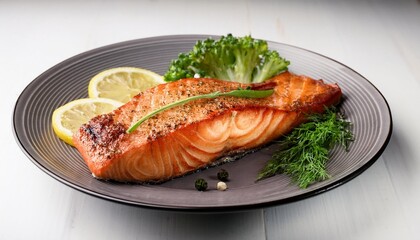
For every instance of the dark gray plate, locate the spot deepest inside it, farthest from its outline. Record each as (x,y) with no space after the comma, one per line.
(364,105)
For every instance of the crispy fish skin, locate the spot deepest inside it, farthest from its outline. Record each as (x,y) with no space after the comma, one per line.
(189,137)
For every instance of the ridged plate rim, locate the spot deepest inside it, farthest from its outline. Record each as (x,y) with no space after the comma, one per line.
(22,133)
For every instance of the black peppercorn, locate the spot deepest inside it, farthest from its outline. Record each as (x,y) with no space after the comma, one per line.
(223,175)
(200,184)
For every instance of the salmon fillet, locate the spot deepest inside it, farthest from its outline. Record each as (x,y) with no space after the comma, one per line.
(194,135)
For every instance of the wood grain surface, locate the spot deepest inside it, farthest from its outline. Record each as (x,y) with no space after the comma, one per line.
(378,39)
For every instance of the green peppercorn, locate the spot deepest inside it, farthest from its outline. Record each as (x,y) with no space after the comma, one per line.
(200,184)
(223,175)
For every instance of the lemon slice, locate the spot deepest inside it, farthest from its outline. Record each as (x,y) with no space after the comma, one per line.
(122,83)
(68,118)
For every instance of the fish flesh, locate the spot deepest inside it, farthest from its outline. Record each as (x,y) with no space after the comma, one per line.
(185,138)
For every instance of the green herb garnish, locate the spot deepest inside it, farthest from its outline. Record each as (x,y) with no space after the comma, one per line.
(223,175)
(303,154)
(230,58)
(242,93)
(200,184)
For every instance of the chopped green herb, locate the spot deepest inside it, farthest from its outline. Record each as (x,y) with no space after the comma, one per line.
(303,154)
(201,184)
(223,175)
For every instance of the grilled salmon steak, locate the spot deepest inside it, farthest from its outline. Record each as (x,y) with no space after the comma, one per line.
(189,137)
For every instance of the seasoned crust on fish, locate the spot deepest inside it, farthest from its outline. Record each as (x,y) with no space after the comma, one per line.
(188,137)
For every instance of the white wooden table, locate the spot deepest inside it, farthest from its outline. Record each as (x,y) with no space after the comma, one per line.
(379,39)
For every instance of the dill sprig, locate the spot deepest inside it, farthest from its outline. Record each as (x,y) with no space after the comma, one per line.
(304,153)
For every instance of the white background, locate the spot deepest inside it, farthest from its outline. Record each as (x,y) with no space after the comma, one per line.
(378,39)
